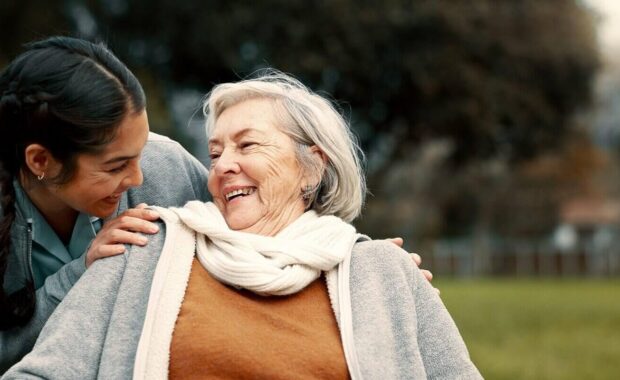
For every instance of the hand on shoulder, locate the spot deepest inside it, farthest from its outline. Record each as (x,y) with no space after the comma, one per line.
(127,228)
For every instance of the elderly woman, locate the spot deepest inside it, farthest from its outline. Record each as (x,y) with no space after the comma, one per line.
(268,281)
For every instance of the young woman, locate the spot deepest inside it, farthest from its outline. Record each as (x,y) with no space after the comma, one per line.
(75,147)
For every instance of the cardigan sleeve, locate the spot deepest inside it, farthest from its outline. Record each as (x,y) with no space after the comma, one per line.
(18,341)
(401,328)
(70,344)
(442,349)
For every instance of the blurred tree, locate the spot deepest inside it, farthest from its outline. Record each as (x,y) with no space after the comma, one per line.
(24,21)
(447,96)
(495,77)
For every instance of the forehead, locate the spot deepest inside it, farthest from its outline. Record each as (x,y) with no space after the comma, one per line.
(246,116)
(129,139)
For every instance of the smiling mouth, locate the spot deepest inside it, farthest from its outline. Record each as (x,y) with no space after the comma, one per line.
(239,193)
(113,198)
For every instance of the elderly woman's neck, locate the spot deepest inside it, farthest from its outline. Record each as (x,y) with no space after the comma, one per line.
(274,222)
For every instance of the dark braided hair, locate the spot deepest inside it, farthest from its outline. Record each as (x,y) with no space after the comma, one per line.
(68,95)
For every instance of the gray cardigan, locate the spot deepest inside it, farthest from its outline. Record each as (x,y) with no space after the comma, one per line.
(171,178)
(401,329)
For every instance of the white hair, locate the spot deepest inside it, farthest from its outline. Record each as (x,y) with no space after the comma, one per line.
(310,120)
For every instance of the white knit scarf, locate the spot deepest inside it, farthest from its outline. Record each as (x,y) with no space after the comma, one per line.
(279,265)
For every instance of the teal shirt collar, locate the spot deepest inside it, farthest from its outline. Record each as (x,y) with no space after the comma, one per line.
(49,253)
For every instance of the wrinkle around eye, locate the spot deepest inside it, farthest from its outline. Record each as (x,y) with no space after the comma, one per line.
(119,169)
(249,144)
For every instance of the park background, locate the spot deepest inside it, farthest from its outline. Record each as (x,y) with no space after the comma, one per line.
(491,128)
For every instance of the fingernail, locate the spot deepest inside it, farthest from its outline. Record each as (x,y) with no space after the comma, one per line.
(154,228)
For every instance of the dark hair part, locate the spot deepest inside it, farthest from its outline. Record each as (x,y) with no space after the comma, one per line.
(70,96)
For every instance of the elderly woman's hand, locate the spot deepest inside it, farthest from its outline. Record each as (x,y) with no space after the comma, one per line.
(416,258)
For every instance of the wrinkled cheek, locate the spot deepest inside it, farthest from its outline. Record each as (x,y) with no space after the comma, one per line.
(277,197)
(211,186)
(268,198)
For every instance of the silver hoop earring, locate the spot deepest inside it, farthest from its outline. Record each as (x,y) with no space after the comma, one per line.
(40,177)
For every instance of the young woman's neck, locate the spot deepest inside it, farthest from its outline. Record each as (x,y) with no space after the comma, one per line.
(57,214)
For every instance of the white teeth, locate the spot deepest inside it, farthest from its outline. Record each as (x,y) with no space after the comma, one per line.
(244,191)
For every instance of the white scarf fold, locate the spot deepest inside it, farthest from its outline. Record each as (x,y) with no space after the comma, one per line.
(279,265)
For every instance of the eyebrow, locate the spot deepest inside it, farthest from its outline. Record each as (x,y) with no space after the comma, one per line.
(118,159)
(215,141)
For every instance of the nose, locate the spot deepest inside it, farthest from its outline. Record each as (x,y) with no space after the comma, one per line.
(134,176)
(226,164)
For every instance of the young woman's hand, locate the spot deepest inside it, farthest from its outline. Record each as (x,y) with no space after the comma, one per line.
(416,258)
(123,229)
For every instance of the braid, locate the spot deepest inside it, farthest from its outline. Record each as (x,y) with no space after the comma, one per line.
(15,309)
(7,205)
(18,307)
(10,103)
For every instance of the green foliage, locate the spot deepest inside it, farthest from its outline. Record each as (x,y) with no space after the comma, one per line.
(538,329)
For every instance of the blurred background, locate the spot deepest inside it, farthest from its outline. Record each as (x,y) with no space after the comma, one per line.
(491,128)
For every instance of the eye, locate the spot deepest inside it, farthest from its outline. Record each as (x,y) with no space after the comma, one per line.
(119,169)
(247,144)
(213,157)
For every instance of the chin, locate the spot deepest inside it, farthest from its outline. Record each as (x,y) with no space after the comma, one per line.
(105,211)
(102,215)
(238,225)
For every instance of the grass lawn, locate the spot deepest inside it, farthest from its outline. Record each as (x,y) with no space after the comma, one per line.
(538,329)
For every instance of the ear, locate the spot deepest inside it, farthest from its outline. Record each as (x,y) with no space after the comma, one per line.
(319,155)
(320,159)
(39,160)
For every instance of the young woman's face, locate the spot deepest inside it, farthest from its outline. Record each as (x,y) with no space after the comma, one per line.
(255,179)
(101,178)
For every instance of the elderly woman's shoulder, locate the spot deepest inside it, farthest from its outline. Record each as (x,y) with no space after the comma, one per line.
(156,143)
(381,251)
(160,151)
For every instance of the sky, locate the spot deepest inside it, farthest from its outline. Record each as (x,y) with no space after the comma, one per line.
(609,28)
(606,125)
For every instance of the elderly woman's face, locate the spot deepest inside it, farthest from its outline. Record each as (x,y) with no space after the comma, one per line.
(255,179)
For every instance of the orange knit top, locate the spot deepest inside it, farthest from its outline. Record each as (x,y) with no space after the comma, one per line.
(225,333)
